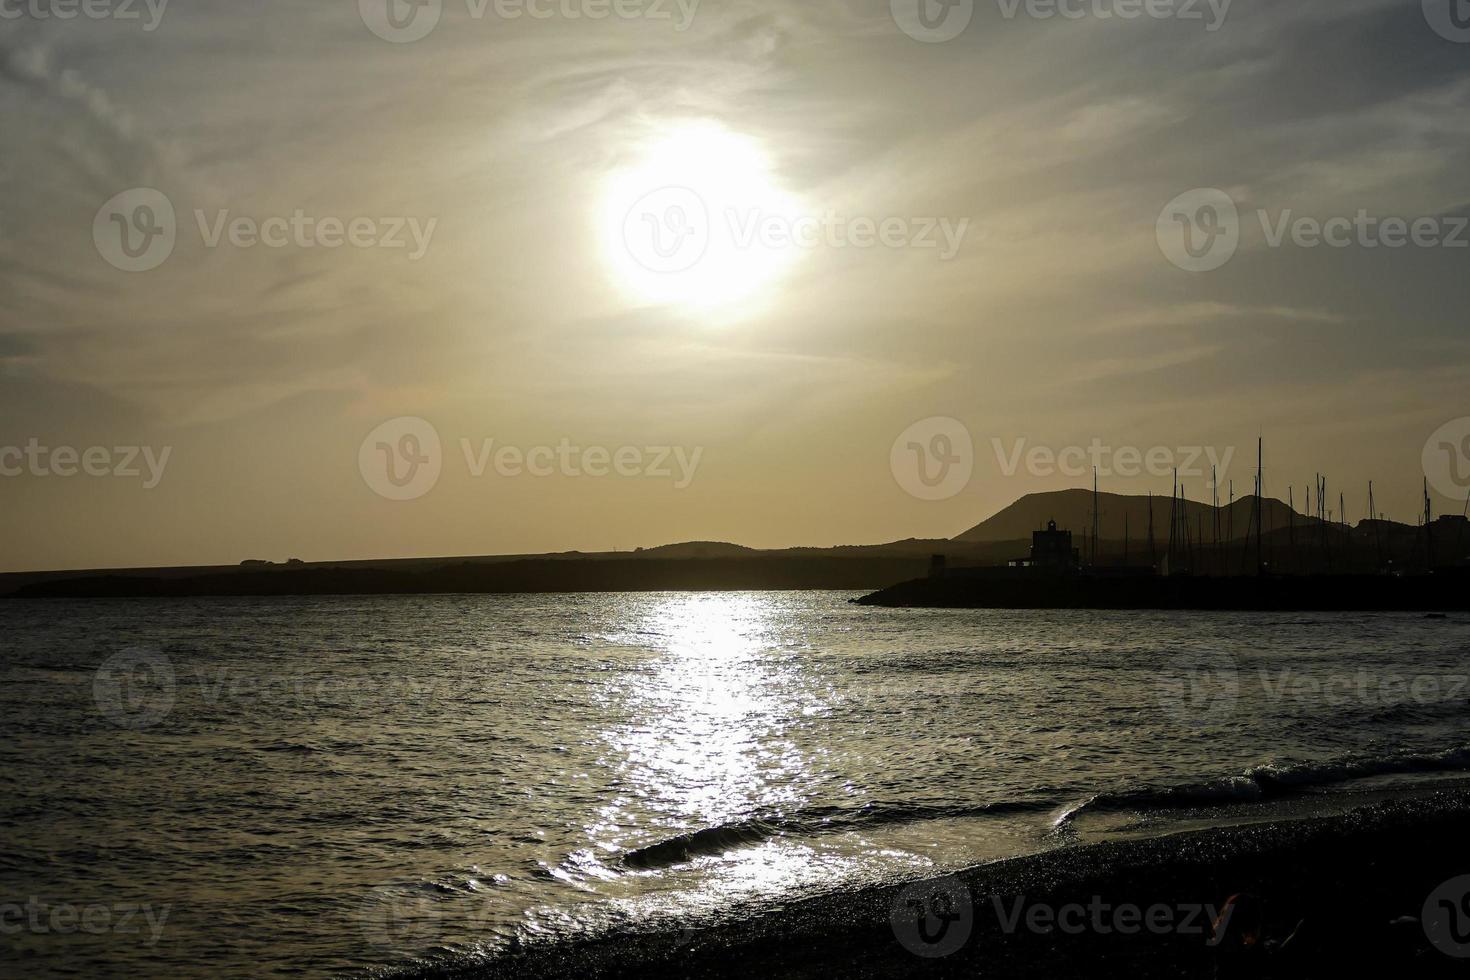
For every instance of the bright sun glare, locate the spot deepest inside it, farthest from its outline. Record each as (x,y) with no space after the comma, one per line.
(680,227)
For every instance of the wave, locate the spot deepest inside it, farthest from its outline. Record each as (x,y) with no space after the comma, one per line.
(1257,783)
(1269,781)
(810,822)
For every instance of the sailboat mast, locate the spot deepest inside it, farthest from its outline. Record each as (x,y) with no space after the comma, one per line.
(1096,522)
(1260,489)
(1153,556)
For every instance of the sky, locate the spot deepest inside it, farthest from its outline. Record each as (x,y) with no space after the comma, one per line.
(338,280)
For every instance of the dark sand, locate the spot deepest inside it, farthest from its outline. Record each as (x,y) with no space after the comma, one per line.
(1346,878)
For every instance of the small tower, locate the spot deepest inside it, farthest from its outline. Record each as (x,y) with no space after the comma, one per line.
(1053,548)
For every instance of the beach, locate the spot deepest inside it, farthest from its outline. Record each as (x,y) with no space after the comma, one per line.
(1350,887)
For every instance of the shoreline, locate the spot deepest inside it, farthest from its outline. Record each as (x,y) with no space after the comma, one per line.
(1350,882)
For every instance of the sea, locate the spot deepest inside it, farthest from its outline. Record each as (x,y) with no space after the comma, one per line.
(358,786)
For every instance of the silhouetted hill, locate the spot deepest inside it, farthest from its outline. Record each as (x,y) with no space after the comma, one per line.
(697,549)
(1072,509)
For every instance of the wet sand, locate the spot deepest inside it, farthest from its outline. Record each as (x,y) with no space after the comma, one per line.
(1351,887)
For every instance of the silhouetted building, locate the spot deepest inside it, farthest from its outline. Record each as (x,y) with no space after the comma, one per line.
(1050,549)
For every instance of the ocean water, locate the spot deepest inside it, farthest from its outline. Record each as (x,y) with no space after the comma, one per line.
(328,786)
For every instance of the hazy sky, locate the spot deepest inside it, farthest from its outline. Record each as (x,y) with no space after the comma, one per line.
(823,313)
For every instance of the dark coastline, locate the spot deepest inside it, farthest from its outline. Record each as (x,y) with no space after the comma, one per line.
(1350,880)
(544,575)
(1007,589)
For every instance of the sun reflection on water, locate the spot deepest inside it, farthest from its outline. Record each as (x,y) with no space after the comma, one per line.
(728,763)
(707,741)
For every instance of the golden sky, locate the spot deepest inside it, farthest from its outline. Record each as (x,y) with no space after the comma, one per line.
(746,244)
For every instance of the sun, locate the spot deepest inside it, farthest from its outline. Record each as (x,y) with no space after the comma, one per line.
(696,222)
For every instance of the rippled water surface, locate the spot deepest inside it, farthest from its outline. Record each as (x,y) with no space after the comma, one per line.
(327,786)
